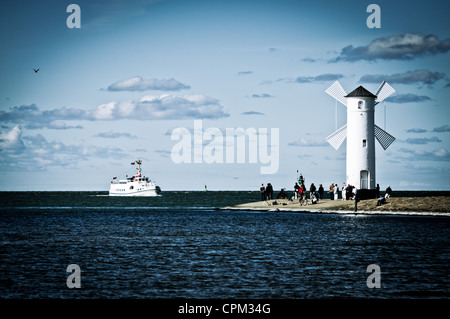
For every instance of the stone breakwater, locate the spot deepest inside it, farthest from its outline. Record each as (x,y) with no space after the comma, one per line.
(423,206)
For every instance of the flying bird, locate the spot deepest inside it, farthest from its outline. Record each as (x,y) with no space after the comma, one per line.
(35,71)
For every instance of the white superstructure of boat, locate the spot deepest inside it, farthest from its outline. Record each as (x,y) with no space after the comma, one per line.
(137,185)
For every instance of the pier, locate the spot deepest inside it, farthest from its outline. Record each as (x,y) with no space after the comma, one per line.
(420,206)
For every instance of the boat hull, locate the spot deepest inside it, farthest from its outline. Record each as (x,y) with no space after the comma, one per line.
(148,192)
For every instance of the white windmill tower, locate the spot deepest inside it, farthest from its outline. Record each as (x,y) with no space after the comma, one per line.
(360,132)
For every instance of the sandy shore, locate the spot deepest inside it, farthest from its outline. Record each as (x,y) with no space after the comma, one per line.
(431,206)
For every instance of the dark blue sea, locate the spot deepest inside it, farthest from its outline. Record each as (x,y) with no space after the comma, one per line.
(180,245)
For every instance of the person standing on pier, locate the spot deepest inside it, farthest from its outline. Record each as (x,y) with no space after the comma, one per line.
(269,191)
(355,197)
(336,192)
(332,191)
(312,190)
(296,190)
(262,189)
(321,191)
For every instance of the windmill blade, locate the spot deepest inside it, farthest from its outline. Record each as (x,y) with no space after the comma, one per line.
(336,91)
(384,91)
(336,138)
(384,138)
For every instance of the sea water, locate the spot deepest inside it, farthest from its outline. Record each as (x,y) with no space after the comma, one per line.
(179,245)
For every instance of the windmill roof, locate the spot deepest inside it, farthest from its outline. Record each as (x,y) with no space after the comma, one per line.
(361,92)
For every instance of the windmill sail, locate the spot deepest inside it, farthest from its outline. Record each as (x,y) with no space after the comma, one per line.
(338,137)
(384,138)
(336,91)
(384,91)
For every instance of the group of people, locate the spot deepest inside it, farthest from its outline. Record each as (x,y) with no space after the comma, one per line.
(266,192)
(348,192)
(299,190)
(300,193)
(382,199)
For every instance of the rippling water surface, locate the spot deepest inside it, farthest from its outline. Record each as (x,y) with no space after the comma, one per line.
(179,246)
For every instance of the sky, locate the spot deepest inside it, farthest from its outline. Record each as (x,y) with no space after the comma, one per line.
(120,87)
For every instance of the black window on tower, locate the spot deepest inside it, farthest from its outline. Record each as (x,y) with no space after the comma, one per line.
(360,104)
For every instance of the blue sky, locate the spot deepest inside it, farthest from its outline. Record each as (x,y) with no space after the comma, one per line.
(113,90)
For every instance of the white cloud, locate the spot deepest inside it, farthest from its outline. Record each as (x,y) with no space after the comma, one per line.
(416,130)
(261,96)
(245,72)
(326,77)
(163,107)
(398,47)
(137,83)
(11,141)
(309,60)
(423,140)
(105,111)
(177,107)
(252,113)
(16,152)
(408,98)
(112,134)
(31,117)
(443,128)
(440,154)
(304,142)
(416,76)
(56,150)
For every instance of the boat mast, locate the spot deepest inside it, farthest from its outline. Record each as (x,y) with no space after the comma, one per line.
(139,162)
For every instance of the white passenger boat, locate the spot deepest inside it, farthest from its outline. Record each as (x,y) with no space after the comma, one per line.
(137,185)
